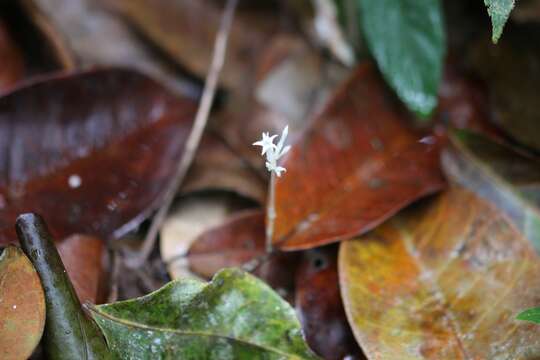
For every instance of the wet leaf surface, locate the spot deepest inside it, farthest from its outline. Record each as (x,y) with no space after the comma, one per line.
(105,142)
(22,305)
(319,307)
(239,240)
(444,280)
(409,47)
(191,319)
(499,173)
(358,164)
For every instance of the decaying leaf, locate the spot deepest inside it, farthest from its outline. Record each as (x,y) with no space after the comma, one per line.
(358,164)
(192,216)
(22,305)
(320,309)
(235,316)
(444,280)
(105,142)
(509,179)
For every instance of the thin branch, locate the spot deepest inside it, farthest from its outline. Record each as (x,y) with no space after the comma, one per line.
(192,143)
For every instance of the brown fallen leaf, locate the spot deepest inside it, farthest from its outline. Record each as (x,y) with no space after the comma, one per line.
(85,260)
(29,45)
(192,216)
(105,142)
(444,280)
(22,305)
(319,307)
(185,30)
(237,241)
(217,167)
(358,164)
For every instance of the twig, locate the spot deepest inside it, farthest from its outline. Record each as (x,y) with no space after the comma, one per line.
(192,143)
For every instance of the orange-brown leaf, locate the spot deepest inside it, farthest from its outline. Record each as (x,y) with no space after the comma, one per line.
(444,280)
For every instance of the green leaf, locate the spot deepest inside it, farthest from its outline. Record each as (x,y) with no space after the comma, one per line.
(69,334)
(532,315)
(406,38)
(499,174)
(236,316)
(498,10)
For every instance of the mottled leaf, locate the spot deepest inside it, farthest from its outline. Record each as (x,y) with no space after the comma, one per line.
(320,309)
(93,152)
(497,172)
(358,164)
(443,280)
(499,11)
(22,305)
(532,315)
(406,38)
(69,334)
(235,316)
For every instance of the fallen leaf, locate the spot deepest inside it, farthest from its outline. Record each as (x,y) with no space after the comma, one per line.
(191,217)
(186,30)
(235,316)
(511,75)
(319,307)
(96,36)
(84,259)
(357,165)
(500,174)
(106,142)
(29,45)
(444,280)
(22,305)
(240,240)
(217,167)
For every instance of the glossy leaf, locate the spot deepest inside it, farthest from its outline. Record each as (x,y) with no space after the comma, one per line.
(532,315)
(69,334)
(406,38)
(320,309)
(358,164)
(105,142)
(499,11)
(22,305)
(509,179)
(235,316)
(444,280)
(239,241)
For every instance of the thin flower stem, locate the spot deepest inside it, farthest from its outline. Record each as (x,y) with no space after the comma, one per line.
(270,213)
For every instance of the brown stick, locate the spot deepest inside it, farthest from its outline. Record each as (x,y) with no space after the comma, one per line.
(192,143)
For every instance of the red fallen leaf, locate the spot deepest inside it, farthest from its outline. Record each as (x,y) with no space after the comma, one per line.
(93,152)
(236,242)
(358,164)
(319,307)
(29,45)
(84,259)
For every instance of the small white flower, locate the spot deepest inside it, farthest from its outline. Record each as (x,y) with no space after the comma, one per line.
(267,142)
(274,152)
